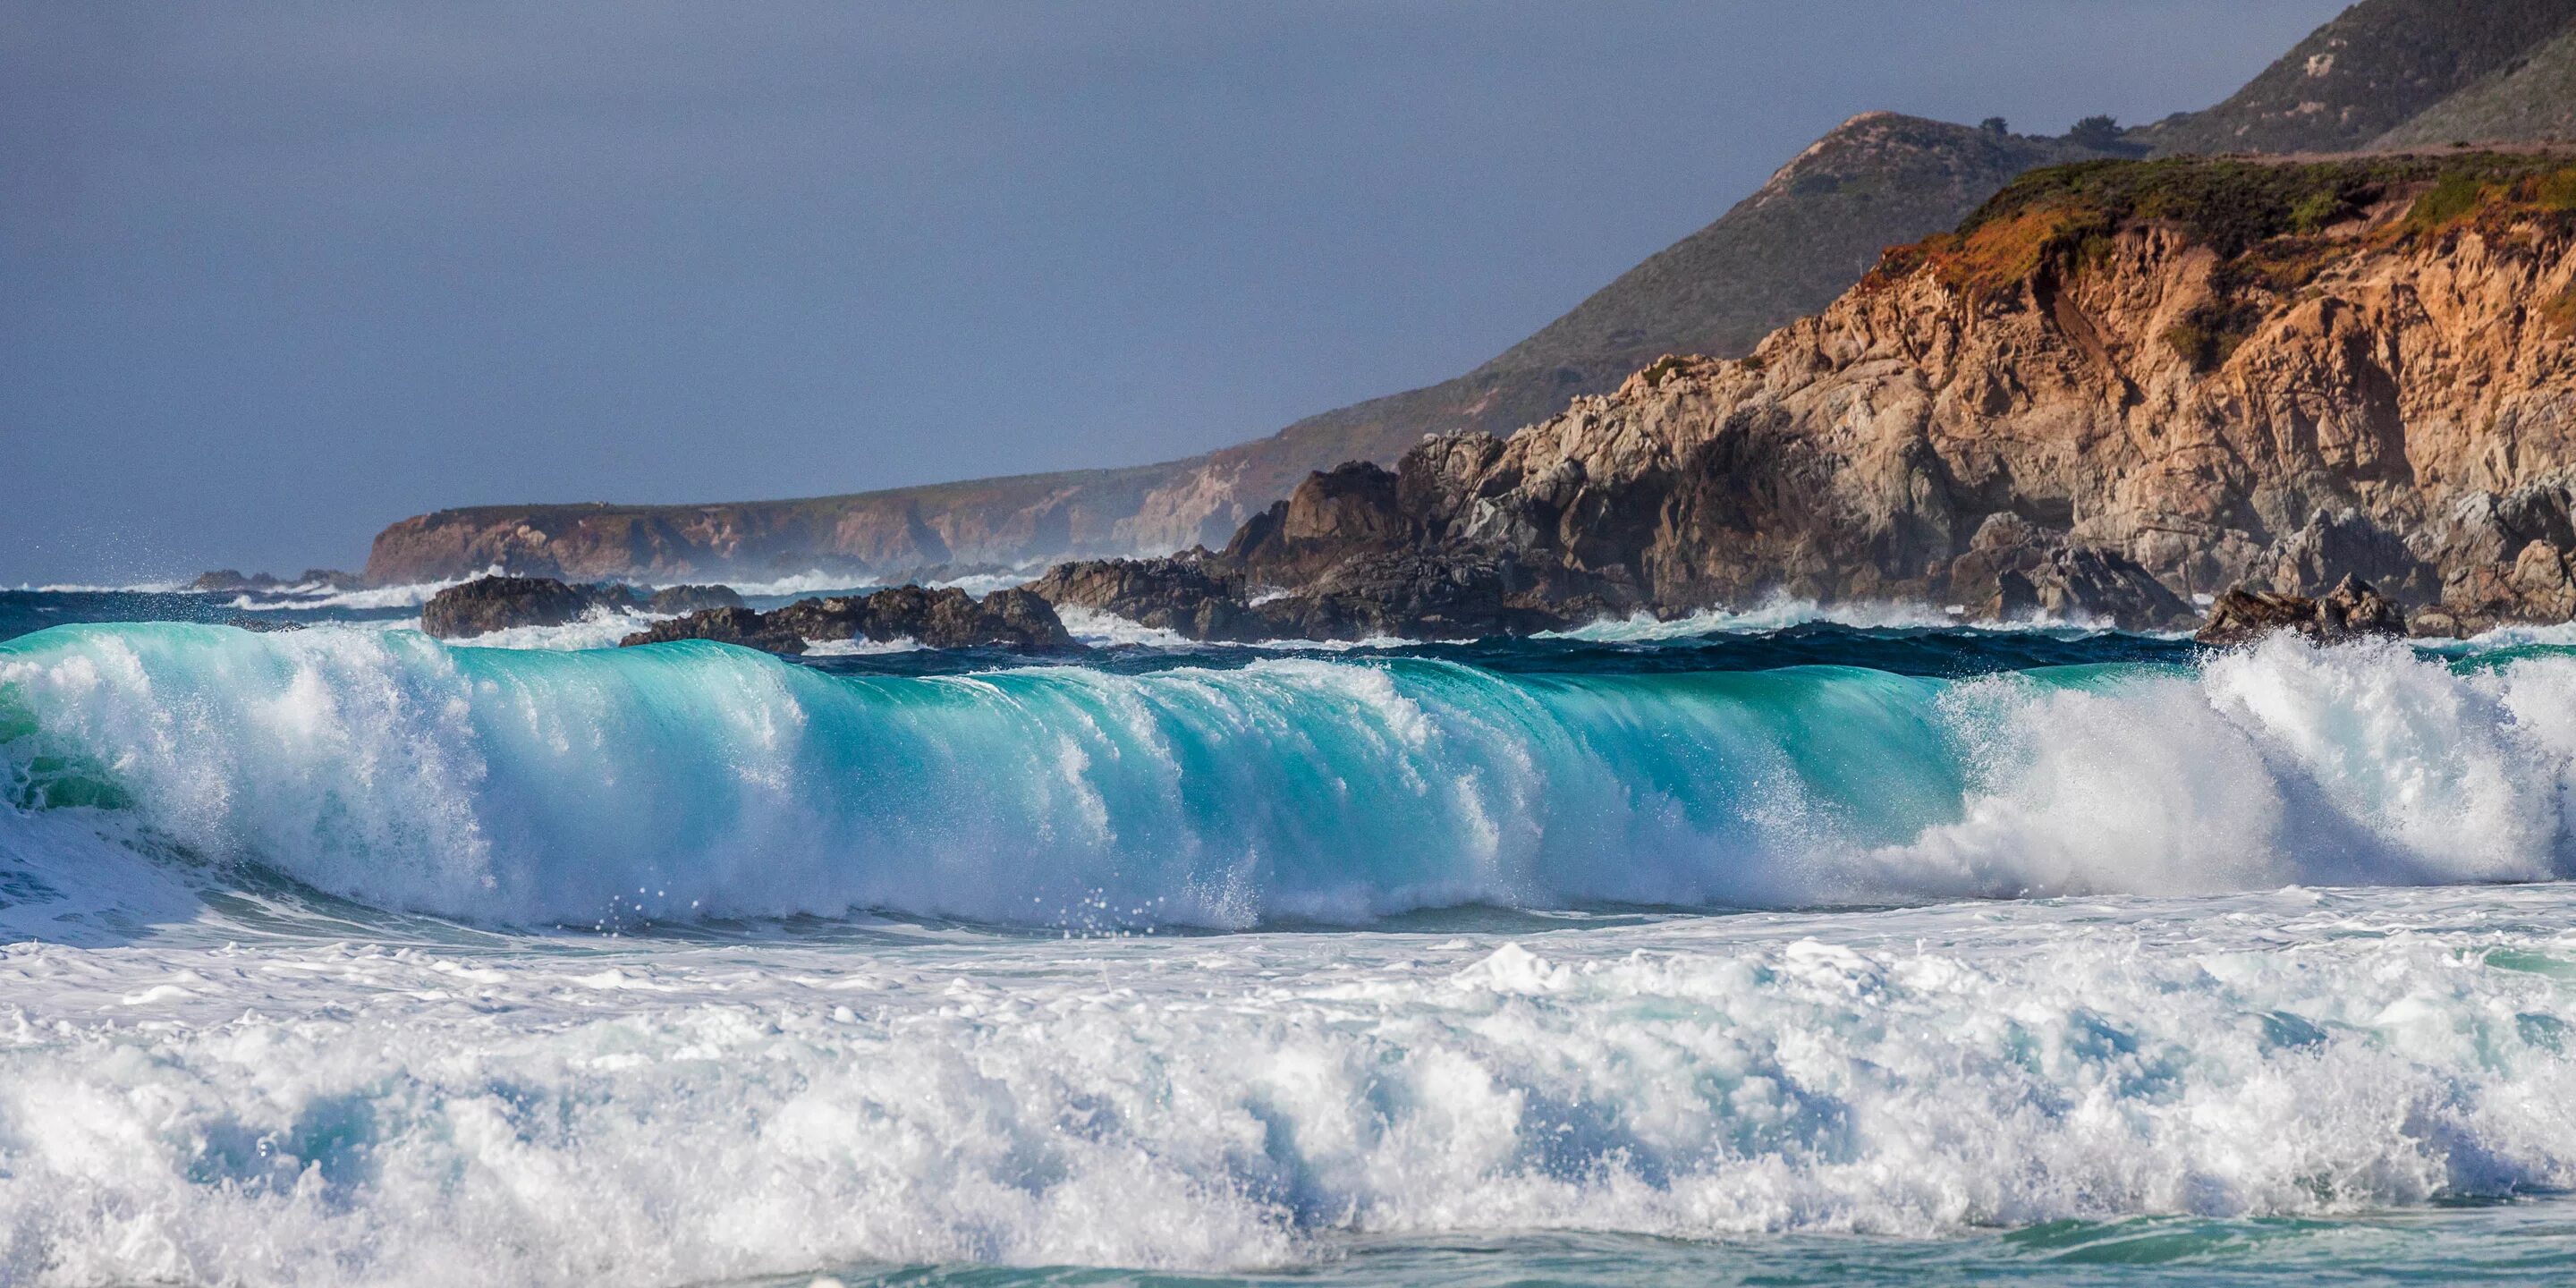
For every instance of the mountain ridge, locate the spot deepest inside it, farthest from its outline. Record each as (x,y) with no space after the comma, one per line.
(1783,252)
(2118,386)
(1877,179)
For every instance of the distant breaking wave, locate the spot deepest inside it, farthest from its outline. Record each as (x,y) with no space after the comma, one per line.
(522,787)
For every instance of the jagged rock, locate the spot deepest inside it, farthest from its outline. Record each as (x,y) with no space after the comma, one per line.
(223,580)
(1413,595)
(2243,615)
(1968,427)
(727,625)
(2351,610)
(2354,608)
(947,618)
(690,599)
(1334,514)
(2086,583)
(1196,594)
(1018,618)
(489,604)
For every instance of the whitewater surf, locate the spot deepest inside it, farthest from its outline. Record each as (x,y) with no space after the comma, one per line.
(1749,949)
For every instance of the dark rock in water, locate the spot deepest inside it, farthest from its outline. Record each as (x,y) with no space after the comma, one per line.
(2244,614)
(2090,582)
(690,599)
(1413,595)
(948,618)
(1196,594)
(490,604)
(2351,610)
(233,579)
(1020,615)
(729,625)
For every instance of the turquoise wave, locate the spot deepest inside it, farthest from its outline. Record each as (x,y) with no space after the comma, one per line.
(699,781)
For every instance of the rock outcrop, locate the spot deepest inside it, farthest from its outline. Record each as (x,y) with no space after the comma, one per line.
(945,618)
(489,604)
(223,580)
(2351,610)
(690,599)
(2121,385)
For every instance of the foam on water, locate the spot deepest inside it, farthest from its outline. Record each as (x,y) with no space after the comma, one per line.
(321,1113)
(229,1054)
(316,596)
(1097,628)
(1778,613)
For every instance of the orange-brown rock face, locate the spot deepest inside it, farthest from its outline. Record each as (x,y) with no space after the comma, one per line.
(2082,405)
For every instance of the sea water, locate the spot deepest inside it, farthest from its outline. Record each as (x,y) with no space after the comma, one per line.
(1743,951)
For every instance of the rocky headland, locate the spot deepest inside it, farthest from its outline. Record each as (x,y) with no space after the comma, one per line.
(2119,390)
(2384,74)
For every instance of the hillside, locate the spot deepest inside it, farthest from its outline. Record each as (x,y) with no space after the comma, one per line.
(1877,180)
(2431,71)
(2529,100)
(2120,385)
(2373,68)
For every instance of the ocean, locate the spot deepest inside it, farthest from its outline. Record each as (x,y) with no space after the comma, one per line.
(1765,948)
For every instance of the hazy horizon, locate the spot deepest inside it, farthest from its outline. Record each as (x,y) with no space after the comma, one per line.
(279,277)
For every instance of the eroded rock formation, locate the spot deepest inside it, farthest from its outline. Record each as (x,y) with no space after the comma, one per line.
(944,618)
(2121,387)
(488,604)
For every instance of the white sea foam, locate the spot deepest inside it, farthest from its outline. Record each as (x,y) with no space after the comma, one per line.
(798,585)
(982,584)
(305,1112)
(601,627)
(822,583)
(1102,629)
(77,588)
(1781,612)
(861,647)
(309,598)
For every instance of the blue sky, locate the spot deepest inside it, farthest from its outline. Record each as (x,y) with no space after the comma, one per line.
(273,275)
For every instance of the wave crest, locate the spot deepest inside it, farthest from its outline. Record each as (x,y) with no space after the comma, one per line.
(698,780)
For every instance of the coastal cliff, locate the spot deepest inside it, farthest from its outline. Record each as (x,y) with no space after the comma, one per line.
(2118,386)
(1786,250)
(2385,74)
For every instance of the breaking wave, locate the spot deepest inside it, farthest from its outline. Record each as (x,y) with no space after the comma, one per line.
(695,780)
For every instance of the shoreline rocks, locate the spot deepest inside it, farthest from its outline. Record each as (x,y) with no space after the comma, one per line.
(2352,610)
(945,618)
(488,604)
(233,580)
